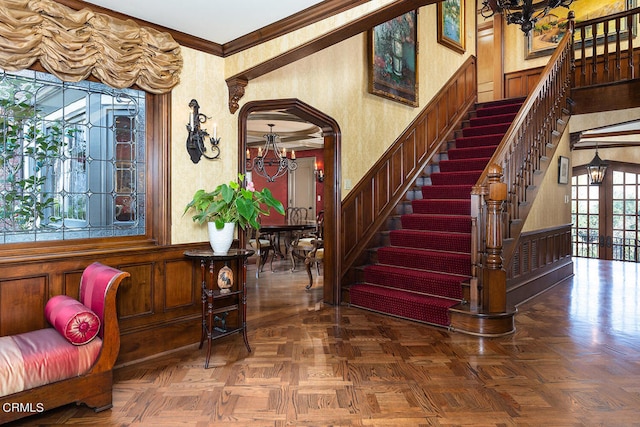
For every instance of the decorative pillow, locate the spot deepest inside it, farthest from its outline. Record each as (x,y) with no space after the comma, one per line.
(72,319)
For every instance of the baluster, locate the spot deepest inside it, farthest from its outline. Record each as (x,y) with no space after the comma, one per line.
(594,54)
(605,53)
(583,57)
(631,74)
(572,53)
(618,50)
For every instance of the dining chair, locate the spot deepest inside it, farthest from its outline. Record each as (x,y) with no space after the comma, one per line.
(263,245)
(296,215)
(303,243)
(315,256)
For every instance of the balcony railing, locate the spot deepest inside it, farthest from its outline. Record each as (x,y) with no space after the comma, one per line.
(604,49)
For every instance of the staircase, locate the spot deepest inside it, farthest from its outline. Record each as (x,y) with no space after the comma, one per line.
(422,271)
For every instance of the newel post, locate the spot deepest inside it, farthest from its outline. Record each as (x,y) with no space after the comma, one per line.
(494,289)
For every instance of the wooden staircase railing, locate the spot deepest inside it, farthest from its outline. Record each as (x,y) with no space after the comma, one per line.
(367,206)
(502,195)
(606,51)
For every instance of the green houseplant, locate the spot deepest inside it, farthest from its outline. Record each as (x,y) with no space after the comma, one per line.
(231,204)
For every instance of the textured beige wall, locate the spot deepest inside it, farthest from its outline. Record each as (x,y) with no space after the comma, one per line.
(258,54)
(552,205)
(515,51)
(202,78)
(334,81)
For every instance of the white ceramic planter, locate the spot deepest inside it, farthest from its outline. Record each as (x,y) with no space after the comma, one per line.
(222,239)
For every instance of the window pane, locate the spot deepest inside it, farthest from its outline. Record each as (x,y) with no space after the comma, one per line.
(630,191)
(618,192)
(630,207)
(618,222)
(582,221)
(582,206)
(618,207)
(72,159)
(629,178)
(618,177)
(583,192)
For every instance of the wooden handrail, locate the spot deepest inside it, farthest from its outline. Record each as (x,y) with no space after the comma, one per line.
(521,153)
(369,204)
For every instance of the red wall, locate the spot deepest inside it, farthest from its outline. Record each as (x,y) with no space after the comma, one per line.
(279,186)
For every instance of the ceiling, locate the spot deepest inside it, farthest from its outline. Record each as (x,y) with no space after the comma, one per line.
(625,134)
(222,21)
(295,133)
(218,21)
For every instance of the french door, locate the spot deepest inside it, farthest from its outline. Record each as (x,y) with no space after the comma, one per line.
(605,217)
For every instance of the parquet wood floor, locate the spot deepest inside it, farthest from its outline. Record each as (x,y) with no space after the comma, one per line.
(574,361)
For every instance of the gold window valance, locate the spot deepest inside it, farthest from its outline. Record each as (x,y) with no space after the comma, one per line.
(72,45)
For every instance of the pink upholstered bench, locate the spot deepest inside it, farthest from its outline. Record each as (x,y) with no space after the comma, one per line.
(70,362)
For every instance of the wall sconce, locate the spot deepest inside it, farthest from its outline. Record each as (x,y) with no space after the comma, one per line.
(319,173)
(197,136)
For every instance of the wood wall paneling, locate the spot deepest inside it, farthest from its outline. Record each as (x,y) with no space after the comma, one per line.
(397,177)
(135,296)
(541,260)
(382,189)
(181,285)
(409,155)
(71,283)
(22,302)
(521,83)
(159,307)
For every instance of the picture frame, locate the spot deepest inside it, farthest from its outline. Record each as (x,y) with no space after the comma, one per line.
(451,24)
(563,170)
(548,31)
(393,59)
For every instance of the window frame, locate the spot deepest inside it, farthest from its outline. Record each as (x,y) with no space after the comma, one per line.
(157,205)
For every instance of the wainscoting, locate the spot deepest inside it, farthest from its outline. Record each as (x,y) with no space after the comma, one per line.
(159,306)
(521,83)
(542,260)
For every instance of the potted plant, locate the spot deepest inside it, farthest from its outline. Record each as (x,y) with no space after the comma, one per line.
(228,205)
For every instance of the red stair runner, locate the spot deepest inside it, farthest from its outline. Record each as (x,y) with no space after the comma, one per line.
(420,274)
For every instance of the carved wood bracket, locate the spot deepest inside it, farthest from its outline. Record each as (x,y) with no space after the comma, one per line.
(236,92)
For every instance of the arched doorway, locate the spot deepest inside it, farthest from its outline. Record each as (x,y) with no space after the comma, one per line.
(332,198)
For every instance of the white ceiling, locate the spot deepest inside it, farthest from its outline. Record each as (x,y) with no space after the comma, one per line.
(219,21)
(295,133)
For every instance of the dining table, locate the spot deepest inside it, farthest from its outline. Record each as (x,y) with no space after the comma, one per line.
(282,233)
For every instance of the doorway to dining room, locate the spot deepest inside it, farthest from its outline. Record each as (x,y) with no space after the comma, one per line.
(328,157)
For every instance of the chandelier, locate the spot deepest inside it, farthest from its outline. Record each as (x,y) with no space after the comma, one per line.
(521,12)
(269,156)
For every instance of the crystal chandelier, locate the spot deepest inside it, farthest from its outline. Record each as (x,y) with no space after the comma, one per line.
(270,155)
(521,12)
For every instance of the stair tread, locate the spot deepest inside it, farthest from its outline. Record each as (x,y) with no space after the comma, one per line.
(420,271)
(444,302)
(404,304)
